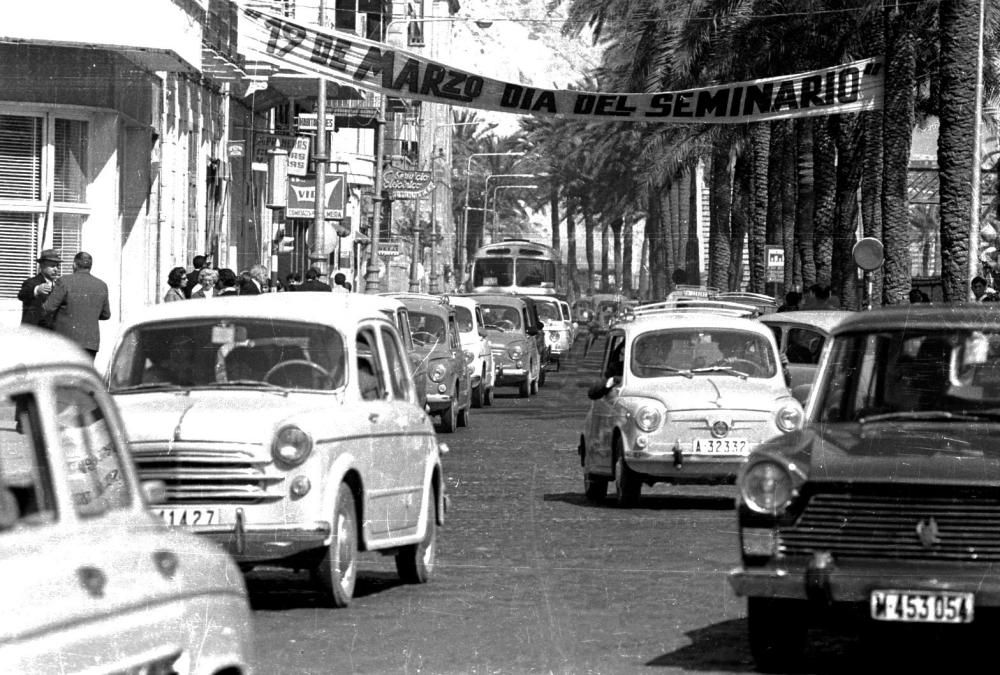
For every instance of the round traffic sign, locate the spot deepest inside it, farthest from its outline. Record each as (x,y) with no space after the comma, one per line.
(868,254)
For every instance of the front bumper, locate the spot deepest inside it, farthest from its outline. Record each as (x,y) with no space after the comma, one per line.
(265,541)
(824,579)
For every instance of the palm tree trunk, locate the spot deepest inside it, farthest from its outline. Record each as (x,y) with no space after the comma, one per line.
(825,198)
(571,269)
(850,149)
(742,187)
(760,142)
(720,201)
(626,267)
(898,120)
(605,245)
(804,200)
(692,253)
(959,27)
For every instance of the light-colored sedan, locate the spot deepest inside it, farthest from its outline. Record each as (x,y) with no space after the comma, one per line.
(287,429)
(684,396)
(95,583)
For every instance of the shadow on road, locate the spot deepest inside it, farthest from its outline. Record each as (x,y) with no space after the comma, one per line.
(276,590)
(650,502)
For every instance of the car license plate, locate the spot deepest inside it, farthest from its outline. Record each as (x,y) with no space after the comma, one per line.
(190,517)
(922,606)
(721,446)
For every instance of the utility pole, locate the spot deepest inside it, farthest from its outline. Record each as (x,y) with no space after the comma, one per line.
(317,239)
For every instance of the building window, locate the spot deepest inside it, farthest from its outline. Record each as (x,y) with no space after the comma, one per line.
(44,173)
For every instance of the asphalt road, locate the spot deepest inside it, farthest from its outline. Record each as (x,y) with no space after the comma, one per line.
(531,578)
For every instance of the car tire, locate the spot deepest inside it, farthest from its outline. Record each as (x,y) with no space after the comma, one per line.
(595,488)
(628,485)
(477,393)
(524,388)
(463,416)
(777,631)
(449,418)
(415,562)
(337,571)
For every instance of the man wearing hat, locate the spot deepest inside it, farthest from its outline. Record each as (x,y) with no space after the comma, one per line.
(36,289)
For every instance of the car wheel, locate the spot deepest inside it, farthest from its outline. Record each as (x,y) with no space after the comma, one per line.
(415,563)
(628,486)
(449,418)
(777,630)
(463,416)
(595,488)
(524,388)
(338,570)
(477,393)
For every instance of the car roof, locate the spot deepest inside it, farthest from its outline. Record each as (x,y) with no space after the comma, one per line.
(968,316)
(25,347)
(824,319)
(339,310)
(689,319)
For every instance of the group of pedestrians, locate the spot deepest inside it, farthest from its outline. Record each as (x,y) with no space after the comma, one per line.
(71,305)
(206,282)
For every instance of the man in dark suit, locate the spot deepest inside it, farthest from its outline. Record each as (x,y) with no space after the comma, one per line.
(36,289)
(76,304)
(198,261)
(312,282)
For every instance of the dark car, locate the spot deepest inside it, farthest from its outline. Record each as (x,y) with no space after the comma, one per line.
(436,341)
(887,503)
(513,331)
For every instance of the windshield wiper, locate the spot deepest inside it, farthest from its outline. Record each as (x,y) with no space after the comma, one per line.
(930,415)
(150,386)
(722,369)
(669,369)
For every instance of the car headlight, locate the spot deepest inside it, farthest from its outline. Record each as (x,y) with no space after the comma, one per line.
(291,446)
(788,418)
(469,356)
(767,487)
(648,418)
(437,372)
(515,352)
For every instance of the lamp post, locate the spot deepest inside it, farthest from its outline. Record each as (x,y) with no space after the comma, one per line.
(496,210)
(465,220)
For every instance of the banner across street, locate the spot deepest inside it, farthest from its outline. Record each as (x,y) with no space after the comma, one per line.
(850,87)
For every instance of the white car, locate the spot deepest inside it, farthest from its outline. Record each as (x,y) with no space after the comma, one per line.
(287,429)
(95,583)
(685,395)
(476,345)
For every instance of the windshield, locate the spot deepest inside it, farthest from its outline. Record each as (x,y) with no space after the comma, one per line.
(464,317)
(548,311)
(536,272)
(493,272)
(219,352)
(911,374)
(695,351)
(501,316)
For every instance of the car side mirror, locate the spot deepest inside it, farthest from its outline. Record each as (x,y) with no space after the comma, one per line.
(154,491)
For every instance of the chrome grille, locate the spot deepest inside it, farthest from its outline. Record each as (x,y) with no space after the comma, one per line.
(206,476)
(850,525)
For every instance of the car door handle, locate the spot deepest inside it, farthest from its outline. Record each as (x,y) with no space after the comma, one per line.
(373,418)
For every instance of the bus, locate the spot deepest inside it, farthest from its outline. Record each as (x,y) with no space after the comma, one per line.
(516,266)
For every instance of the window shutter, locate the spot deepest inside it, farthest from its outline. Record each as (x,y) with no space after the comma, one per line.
(19,234)
(20,157)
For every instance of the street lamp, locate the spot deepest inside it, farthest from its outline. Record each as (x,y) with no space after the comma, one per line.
(496,210)
(465,219)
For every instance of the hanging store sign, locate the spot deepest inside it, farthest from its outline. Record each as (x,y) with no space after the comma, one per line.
(344,57)
(302,197)
(404,184)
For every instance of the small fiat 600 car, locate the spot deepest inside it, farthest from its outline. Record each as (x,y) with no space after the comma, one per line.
(684,396)
(286,428)
(886,504)
(94,582)
(512,332)
(437,341)
(476,343)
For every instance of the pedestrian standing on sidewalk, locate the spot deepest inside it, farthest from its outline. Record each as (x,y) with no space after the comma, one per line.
(177,281)
(77,303)
(36,289)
